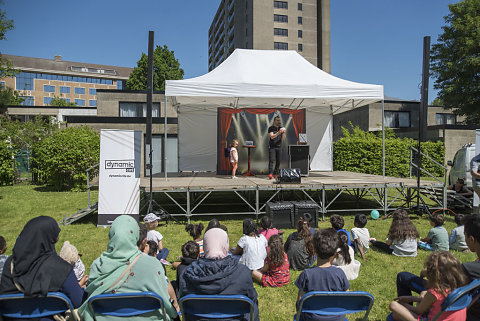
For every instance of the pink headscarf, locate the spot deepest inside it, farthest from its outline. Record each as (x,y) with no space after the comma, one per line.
(215,244)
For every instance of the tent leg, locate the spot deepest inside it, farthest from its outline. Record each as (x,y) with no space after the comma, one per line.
(383,138)
(166,141)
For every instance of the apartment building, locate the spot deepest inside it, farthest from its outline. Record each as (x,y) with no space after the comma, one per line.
(39,80)
(301,25)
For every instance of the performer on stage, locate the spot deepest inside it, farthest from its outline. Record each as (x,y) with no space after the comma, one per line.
(276,134)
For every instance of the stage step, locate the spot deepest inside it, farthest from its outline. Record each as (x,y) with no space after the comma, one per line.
(82,213)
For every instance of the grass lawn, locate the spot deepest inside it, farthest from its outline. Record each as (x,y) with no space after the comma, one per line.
(20,203)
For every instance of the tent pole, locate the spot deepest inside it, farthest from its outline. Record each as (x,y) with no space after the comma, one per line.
(383,137)
(165,135)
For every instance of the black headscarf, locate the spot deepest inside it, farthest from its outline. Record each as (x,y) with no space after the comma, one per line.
(37,269)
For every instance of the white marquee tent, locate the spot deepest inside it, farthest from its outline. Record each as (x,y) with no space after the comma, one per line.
(262,79)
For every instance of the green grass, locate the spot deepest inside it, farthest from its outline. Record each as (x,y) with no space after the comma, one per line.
(20,203)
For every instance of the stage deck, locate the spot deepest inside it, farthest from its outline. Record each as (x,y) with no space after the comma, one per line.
(329,180)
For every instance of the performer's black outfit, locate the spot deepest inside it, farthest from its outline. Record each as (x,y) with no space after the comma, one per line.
(274,149)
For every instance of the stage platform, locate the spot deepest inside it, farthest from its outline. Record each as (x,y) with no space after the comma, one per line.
(189,190)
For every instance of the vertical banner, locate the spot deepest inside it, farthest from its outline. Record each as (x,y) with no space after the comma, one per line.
(119,175)
(476,201)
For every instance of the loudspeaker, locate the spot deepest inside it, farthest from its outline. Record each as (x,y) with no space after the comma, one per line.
(281,214)
(289,175)
(303,207)
(299,158)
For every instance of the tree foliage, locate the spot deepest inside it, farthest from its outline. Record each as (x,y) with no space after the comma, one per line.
(8,97)
(165,67)
(6,24)
(6,163)
(60,102)
(456,60)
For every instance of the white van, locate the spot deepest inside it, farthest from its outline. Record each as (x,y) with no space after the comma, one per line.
(461,165)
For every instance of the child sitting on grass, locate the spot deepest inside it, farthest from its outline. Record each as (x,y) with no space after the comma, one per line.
(401,237)
(456,240)
(299,247)
(323,277)
(195,231)
(151,223)
(361,235)
(444,274)
(345,259)
(337,224)
(437,238)
(252,246)
(3,257)
(267,230)
(276,270)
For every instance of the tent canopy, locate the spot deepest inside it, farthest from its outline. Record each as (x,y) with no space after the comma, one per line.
(270,78)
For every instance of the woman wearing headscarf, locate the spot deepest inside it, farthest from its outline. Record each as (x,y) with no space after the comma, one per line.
(217,273)
(122,268)
(35,268)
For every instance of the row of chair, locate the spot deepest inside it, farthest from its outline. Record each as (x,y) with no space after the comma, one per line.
(210,306)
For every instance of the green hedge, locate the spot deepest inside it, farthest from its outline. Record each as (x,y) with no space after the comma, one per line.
(62,158)
(6,163)
(359,151)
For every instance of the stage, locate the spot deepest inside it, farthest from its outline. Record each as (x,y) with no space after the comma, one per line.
(188,191)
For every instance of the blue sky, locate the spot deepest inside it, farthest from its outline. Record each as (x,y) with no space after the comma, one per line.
(373,41)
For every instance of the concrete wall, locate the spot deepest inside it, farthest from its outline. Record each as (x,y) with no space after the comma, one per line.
(358,116)
(108,102)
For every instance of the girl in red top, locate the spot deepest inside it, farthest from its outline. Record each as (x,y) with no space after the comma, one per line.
(444,274)
(276,270)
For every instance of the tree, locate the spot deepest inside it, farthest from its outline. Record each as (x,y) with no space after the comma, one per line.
(61,102)
(6,69)
(8,97)
(456,60)
(165,66)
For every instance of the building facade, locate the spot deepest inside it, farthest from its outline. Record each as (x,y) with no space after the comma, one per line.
(301,25)
(38,80)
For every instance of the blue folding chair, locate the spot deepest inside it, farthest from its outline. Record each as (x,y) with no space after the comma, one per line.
(459,298)
(20,307)
(216,306)
(330,303)
(126,304)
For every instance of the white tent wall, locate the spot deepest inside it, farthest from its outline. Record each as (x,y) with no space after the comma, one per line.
(197,139)
(320,139)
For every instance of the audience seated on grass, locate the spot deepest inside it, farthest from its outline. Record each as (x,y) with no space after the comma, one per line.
(252,246)
(70,254)
(323,277)
(3,249)
(444,274)
(214,223)
(360,235)
(456,241)
(337,224)
(402,236)
(195,231)
(122,268)
(437,238)
(217,272)
(34,268)
(267,230)
(276,270)
(190,253)
(345,259)
(299,247)
(151,223)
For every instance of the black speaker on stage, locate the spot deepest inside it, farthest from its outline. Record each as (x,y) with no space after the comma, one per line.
(289,175)
(299,158)
(300,208)
(281,214)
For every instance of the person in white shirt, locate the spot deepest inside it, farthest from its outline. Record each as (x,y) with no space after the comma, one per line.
(252,246)
(234,156)
(151,222)
(360,235)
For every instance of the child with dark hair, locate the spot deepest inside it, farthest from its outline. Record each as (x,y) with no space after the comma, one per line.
(401,237)
(309,219)
(276,270)
(437,238)
(3,249)
(190,253)
(323,277)
(361,235)
(337,224)
(456,241)
(345,259)
(267,230)
(142,237)
(299,247)
(152,248)
(195,231)
(252,246)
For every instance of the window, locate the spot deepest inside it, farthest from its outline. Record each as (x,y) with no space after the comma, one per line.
(300,7)
(64,90)
(120,84)
(280,4)
(300,20)
(79,90)
(92,103)
(445,119)
(280,18)
(27,101)
(48,88)
(138,109)
(280,32)
(92,91)
(397,119)
(280,45)
(80,102)
(24,81)
(300,47)
(47,100)
(66,100)
(300,34)
(2,84)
